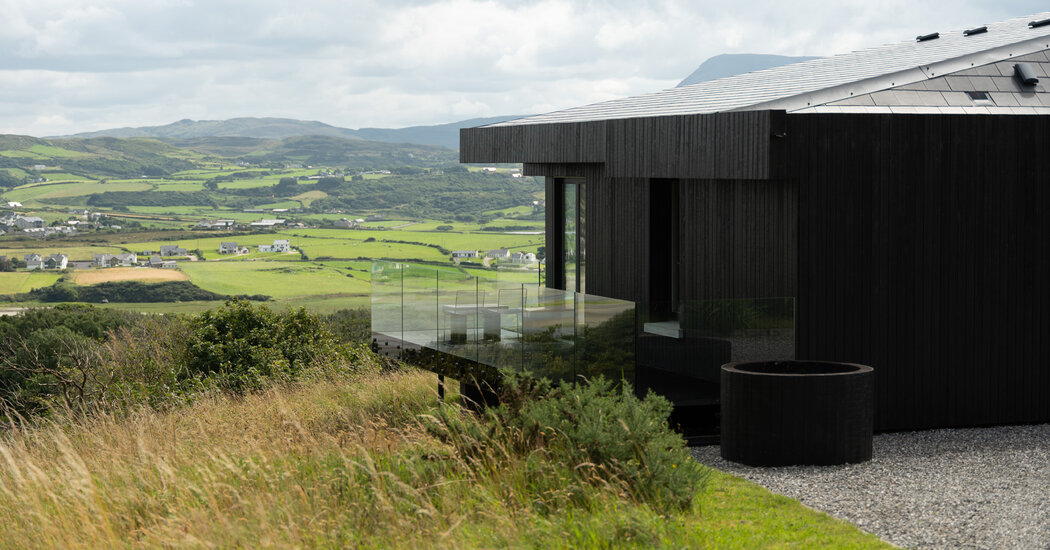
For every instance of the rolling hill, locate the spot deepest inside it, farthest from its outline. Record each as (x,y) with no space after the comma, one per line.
(442,135)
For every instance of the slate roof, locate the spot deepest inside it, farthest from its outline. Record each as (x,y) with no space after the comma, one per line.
(802,87)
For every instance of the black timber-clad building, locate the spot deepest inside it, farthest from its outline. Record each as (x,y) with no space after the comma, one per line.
(898,197)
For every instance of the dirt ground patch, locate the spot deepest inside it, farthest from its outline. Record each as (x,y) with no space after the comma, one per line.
(112,274)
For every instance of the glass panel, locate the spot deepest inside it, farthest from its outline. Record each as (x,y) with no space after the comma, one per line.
(605,338)
(549,328)
(569,259)
(499,314)
(457,299)
(386,308)
(428,316)
(420,313)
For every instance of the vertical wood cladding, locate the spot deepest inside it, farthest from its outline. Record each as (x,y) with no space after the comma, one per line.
(738,239)
(923,252)
(921,239)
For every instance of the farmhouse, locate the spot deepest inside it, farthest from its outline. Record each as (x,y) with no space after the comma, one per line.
(460,254)
(498,254)
(106,260)
(266,223)
(520,258)
(343,223)
(172,250)
(279,245)
(228,247)
(216,224)
(55,261)
(127,259)
(33,261)
(29,222)
(884,207)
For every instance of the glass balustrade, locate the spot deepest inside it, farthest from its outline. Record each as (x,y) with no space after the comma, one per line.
(449,315)
(505,324)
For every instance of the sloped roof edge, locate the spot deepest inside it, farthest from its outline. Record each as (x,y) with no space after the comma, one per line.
(819,81)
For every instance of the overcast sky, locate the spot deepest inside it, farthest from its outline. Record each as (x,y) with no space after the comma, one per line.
(79,65)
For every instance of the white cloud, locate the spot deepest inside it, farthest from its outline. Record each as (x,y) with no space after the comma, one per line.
(73,66)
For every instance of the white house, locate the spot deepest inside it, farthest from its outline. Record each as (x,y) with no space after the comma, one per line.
(528,258)
(106,260)
(33,261)
(498,254)
(127,259)
(228,247)
(56,261)
(279,245)
(460,254)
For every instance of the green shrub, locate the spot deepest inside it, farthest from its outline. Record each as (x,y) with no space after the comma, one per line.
(241,346)
(54,354)
(581,435)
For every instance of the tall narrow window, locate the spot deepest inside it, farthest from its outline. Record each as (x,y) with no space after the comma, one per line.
(574,246)
(664,257)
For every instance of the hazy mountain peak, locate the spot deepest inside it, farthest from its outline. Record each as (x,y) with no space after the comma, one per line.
(730,64)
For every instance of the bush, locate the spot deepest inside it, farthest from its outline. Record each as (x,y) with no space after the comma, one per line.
(51,356)
(352,326)
(596,434)
(241,346)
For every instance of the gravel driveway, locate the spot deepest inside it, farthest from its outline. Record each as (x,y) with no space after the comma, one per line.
(974,488)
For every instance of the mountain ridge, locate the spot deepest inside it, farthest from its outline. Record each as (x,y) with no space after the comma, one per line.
(274,128)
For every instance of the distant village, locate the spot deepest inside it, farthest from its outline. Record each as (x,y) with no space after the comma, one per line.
(11,222)
(165,258)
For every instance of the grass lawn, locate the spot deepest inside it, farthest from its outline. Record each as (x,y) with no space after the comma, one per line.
(331,248)
(448,240)
(15,282)
(281,280)
(187,186)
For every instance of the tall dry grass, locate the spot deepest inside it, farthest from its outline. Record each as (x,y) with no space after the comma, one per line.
(278,468)
(346,461)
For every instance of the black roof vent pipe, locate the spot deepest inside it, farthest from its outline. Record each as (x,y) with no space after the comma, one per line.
(1026,74)
(1040,23)
(978,30)
(926,37)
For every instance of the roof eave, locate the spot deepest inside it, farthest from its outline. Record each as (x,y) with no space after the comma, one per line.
(902,78)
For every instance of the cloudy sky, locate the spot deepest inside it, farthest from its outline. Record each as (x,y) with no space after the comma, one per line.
(78,65)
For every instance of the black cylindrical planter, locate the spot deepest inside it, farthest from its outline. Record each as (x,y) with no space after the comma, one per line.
(780,413)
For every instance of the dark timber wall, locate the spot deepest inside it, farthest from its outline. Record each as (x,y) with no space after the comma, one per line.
(923,251)
(922,242)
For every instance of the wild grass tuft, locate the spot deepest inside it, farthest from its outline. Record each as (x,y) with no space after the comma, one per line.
(351,459)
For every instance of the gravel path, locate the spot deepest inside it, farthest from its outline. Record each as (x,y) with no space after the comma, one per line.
(976,488)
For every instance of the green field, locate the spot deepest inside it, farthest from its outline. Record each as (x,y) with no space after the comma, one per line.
(23,281)
(281,280)
(447,240)
(41,193)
